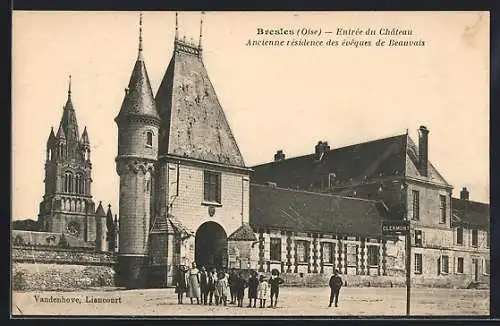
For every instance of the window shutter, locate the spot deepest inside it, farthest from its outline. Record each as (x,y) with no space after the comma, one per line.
(423,239)
(454,265)
(439,266)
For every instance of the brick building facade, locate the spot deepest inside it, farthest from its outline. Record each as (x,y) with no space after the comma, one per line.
(398,172)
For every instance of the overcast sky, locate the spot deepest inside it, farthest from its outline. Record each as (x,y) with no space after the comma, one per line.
(274,98)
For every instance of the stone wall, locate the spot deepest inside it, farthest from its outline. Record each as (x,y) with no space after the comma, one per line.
(34,255)
(61,269)
(53,277)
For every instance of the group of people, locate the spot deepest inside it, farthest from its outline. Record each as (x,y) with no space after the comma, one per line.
(207,287)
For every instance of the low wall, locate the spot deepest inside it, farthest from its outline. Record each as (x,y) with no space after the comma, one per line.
(37,255)
(53,277)
(52,269)
(318,280)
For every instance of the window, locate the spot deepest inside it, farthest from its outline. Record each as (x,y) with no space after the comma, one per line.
(302,254)
(212,188)
(79,183)
(352,255)
(418,263)
(443,264)
(68,182)
(460,265)
(327,252)
(149,139)
(275,249)
(416,205)
(373,254)
(418,238)
(460,236)
(474,238)
(442,208)
(486,266)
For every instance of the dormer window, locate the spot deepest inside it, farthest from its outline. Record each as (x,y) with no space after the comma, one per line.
(149,139)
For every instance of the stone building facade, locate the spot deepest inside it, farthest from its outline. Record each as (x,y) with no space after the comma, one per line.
(68,206)
(184,188)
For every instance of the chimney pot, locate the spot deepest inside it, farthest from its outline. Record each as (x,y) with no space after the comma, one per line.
(279,156)
(320,149)
(464,194)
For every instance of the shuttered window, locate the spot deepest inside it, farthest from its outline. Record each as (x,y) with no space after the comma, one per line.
(212,187)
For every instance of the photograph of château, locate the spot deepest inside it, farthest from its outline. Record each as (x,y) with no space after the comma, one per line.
(191,168)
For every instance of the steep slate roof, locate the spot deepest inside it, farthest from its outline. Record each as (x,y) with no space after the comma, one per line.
(295,210)
(138,100)
(470,213)
(243,233)
(351,164)
(359,163)
(193,122)
(170,224)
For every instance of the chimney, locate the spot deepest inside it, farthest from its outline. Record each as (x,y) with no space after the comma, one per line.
(279,156)
(320,149)
(464,194)
(423,150)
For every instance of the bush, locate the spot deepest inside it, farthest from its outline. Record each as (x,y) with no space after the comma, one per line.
(19,280)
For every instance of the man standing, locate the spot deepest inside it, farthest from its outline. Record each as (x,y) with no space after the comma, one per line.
(335,285)
(204,285)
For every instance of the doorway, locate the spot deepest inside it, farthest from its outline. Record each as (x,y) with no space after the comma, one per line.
(475,269)
(211,246)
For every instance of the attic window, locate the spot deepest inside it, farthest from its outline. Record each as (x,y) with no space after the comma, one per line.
(149,139)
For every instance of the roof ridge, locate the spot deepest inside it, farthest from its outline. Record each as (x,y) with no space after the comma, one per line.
(317,193)
(335,149)
(471,201)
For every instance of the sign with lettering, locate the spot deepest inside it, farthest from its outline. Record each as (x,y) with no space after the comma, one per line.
(395,228)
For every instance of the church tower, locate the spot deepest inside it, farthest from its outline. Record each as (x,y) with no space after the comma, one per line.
(138,124)
(67,205)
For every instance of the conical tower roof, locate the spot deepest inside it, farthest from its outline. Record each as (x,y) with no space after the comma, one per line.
(139,99)
(52,136)
(193,122)
(100,211)
(85,137)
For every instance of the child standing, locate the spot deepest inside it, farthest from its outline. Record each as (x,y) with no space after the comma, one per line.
(253,285)
(222,287)
(275,283)
(263,291)
(240,286)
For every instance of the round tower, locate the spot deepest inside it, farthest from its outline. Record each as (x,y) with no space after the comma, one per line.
(138,124)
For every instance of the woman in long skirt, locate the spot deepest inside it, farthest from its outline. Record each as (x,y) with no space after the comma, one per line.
(194,284)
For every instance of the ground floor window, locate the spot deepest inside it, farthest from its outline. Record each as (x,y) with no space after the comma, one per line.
(302,254)
(373,255)
(460,265)
(352,253)
(443,265)
(418,263)
(328,252)
(275,249)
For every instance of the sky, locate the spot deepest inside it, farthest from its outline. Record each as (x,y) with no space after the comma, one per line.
(274,97)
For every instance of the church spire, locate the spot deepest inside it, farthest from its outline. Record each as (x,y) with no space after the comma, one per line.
(139,55)
(176,25)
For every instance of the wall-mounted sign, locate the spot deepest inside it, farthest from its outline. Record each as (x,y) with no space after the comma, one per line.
(390,228)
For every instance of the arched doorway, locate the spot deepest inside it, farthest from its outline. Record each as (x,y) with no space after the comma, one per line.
(211,246)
